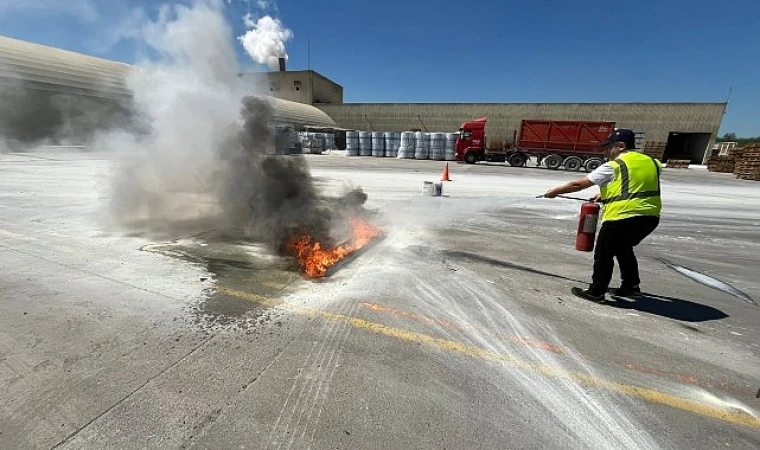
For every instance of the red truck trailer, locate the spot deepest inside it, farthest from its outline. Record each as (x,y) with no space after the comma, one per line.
(569,144)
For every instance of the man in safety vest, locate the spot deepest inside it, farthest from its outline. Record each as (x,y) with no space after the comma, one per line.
(630,195)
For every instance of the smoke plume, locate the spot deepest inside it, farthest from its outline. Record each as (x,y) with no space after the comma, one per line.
(31,117)
(206,162)
(265,40)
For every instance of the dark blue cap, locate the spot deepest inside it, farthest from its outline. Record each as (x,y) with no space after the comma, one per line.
(622,135)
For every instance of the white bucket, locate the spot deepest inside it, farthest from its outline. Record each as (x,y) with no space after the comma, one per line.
(432,189)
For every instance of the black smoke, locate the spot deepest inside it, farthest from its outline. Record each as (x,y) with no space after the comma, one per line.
(272,197)
(30,117)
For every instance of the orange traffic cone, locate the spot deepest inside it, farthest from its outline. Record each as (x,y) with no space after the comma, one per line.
(445,176)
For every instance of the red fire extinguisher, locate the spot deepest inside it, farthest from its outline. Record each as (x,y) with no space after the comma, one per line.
(584,240)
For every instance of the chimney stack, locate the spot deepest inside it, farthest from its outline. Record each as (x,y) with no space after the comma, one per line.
(282,64)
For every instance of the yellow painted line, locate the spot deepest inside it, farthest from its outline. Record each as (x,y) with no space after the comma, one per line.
(251,297)
(662,373)
(278,286)
(414,316)
(455,326)
(650,395)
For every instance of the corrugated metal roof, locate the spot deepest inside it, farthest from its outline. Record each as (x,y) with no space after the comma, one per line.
(52,69)
(299,113)
(44,68)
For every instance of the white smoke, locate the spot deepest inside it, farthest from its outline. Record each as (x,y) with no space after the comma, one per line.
(187,101)
(204,159)
(265,40)
(196,39)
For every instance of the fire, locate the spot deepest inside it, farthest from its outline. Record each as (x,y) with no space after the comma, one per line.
(315,260)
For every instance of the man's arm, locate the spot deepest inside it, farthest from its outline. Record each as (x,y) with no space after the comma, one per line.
(571,186)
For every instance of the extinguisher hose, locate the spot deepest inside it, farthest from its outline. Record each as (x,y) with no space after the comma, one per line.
(568,197)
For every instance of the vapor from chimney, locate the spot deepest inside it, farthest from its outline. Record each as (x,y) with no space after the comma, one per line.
(282,64)
(265,40)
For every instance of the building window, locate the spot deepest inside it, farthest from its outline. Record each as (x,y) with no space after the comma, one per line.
(297,85)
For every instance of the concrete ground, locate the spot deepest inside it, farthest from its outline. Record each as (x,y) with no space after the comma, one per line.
(455,331)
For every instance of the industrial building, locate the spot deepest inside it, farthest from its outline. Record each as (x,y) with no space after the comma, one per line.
(302,86)
(689,129)
(56,94)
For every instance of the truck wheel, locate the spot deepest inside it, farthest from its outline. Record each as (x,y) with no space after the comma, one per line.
(471,158)
(553,162)
(592,164)
(517,159)
(573,163)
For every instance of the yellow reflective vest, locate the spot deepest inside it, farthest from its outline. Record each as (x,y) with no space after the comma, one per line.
(635,191)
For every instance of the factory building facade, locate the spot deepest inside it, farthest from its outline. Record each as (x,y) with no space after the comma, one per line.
(689,129)
(302,86)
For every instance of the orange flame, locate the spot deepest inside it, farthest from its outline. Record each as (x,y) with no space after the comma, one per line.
(315,260)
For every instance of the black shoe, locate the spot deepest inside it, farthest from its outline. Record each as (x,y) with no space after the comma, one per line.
(625,291)
(586,294)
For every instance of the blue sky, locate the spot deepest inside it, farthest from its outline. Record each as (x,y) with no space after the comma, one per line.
(478,51)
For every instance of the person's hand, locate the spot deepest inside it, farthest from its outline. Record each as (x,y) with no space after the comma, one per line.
(550,194)
(596,199)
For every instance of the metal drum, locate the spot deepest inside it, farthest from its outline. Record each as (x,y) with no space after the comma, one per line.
(352,143)
(437,144)
(317,143)
(312,142)
(421,144)
(406,146)
(329,141)
(378,143)
(449,149)
(396,142)
(391,147)
(365,143)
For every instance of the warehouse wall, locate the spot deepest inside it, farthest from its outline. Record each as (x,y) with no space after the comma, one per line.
(657,120)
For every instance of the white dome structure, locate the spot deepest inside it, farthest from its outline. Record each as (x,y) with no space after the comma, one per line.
(57,95)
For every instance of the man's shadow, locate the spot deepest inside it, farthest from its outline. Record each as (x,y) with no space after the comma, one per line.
(457,254)
(671,307)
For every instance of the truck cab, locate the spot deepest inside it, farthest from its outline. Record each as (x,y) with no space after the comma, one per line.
(471,143)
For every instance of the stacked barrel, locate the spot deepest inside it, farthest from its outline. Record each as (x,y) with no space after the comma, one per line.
(365,143)
(406,146)
(352,143)
(402,145)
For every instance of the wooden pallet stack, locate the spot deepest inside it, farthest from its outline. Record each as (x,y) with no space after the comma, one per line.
(678,163)
(655,149)
(722,164)
(748,165)
(736,153)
